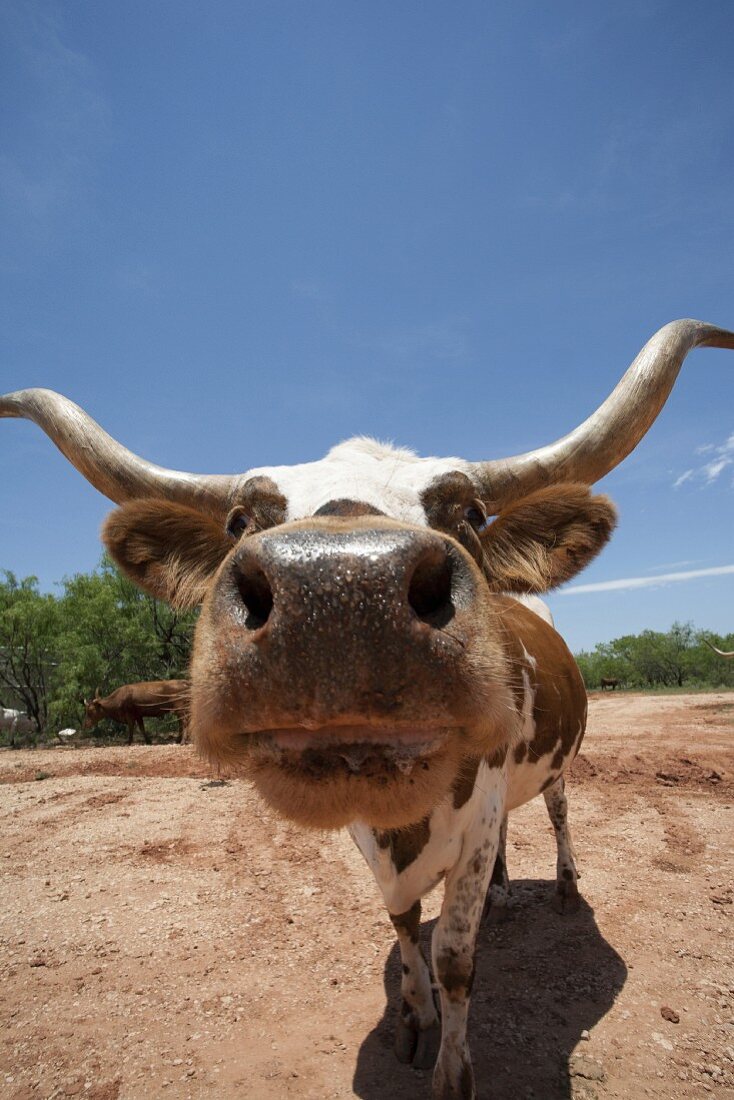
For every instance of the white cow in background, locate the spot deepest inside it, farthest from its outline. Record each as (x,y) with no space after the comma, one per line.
(14,722)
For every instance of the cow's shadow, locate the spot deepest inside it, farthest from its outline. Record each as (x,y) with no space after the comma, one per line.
(541,979)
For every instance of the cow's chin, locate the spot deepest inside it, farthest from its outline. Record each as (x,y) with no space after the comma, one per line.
(331,777)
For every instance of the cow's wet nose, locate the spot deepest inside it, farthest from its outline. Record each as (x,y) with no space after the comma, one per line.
(333,620)
(322,580)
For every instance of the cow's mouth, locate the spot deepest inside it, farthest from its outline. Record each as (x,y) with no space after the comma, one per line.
(371,752)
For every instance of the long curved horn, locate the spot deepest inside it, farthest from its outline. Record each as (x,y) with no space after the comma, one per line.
(595,447)
(116,472)
(721,652)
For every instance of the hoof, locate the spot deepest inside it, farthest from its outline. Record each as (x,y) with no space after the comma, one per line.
(495,906)
(416,1046)
(494,914)
(455,1086)
(566,898)
(406,1040)
(427,1047)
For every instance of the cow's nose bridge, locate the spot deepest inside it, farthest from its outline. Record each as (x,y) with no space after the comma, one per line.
(385,572)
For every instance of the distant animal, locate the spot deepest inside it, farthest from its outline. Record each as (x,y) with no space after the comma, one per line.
(67,735)
(133,703)
(15,722)
(609,682)
(8,718)
(359,653)
(721,652)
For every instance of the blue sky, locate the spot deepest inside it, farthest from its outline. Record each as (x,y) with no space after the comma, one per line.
(239,232)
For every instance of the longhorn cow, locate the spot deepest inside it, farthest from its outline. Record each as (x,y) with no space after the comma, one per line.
(131,704)
(361,654)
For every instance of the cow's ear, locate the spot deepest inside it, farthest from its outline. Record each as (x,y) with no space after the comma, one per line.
(168,550)
(544,539)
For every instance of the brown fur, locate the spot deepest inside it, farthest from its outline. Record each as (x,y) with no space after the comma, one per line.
(409,922)
(560,696)
(405,844)
(168,550)
(446,501)
(463,785)
(546,538)
(344,507)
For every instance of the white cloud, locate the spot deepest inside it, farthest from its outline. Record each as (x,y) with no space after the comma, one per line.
(709,472)
(627,583)
(712,469)
(670,565)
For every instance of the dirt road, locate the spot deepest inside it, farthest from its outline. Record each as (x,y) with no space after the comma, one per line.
(162,935)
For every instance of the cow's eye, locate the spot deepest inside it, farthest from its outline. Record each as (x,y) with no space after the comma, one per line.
(237,523)
(475,515)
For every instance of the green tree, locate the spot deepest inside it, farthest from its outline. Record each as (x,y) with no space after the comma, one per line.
(113,634)
(28,646)
(654,659)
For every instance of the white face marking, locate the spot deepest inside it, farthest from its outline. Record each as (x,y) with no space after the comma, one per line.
(528,657)
(389,478)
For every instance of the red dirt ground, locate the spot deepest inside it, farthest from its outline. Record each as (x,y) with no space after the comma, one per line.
(164,935)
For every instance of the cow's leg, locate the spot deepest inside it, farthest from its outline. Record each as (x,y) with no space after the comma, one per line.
(454,939)
(567,895)
(418,1031)
(499,884)
(130,730)
(146,735)
(179,739)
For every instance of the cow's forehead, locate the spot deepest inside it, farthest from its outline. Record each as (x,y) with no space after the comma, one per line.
(389,478)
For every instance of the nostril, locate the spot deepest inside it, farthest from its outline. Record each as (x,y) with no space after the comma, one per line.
(255,592)
(429,593)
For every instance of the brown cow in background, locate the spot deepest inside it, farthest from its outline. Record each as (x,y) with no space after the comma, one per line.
(131,703)
(609,682)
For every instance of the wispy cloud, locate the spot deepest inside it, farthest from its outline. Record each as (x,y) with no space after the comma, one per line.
(672,565)
(626,584)
(722,456)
